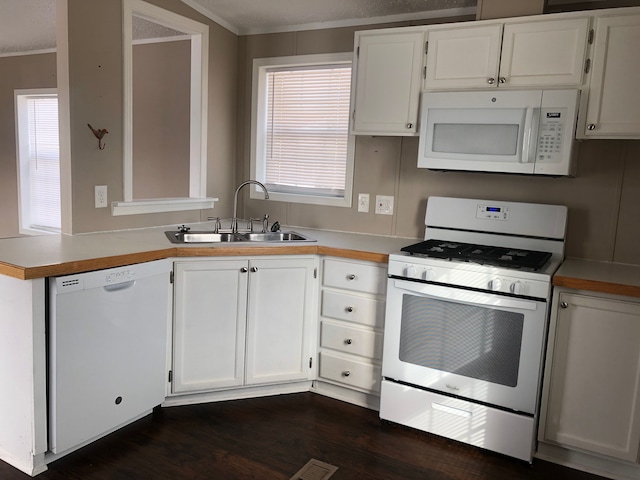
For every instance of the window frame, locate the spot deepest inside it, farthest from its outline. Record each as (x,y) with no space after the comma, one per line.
(261,66)
(24,181)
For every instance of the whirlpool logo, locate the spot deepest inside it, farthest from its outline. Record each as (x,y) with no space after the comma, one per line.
(451,387)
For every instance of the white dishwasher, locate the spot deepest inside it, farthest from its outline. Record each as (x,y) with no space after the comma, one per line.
(107,350)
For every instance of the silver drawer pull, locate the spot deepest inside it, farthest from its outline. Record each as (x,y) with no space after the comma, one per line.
(351,277)
(349,309)
(348,341)
(346,373)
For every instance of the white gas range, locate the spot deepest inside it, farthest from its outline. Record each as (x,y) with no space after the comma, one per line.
(466,322)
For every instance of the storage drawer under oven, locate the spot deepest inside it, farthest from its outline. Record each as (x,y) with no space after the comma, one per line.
(351,372)
(356,341)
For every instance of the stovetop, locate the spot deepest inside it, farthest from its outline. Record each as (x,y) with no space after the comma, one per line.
(514,258)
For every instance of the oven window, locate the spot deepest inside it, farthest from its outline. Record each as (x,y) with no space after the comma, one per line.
(468,340)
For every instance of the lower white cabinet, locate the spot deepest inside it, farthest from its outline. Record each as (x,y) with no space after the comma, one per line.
(352,308)
(591,397)
(242,322)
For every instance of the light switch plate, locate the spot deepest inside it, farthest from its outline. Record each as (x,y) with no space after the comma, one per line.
(363,202)
(384,205)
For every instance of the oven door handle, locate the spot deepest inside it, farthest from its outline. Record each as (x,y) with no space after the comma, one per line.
(449,293)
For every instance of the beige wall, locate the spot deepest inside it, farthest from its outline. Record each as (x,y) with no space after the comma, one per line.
(603,198)
(95,71)
(161,98)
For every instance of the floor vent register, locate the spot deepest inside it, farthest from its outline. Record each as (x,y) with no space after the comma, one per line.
(315,470)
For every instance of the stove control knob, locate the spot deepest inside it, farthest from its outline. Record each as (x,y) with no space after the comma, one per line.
(517,288)
(495,284)
(411,271)
(429,274)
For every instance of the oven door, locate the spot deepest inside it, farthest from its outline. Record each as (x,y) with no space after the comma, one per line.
(474,345)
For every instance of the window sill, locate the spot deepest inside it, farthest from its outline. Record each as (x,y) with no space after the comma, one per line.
(161,205)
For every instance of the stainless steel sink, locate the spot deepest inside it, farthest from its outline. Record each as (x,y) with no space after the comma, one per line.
(209,237)
(275,237)
(200,237)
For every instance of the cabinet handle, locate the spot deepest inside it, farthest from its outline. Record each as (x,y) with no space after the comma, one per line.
(564,305)
(254,269)
(351,277)
(348,341)
(409,125)
(591,126)
(491,80)
(346,373)
(502,80)
(244,270)
(349,309)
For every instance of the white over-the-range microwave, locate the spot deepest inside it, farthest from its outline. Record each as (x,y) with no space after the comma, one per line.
(525,131)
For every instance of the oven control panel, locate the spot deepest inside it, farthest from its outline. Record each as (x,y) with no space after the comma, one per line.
(493,212)
(471,276)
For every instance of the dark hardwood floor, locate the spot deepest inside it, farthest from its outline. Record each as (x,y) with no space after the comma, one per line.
(273,437)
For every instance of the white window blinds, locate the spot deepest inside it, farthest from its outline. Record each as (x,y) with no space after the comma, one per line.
(40,206)
(307,130)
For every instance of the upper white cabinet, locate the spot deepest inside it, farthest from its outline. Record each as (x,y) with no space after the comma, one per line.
(387,82)
(591,399)
(242,322)
(613,109)
(526,54)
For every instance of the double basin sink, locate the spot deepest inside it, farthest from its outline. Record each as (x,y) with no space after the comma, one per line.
(177,236)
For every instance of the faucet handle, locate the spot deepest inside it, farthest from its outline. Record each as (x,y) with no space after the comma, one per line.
(265,223)
(216,228)
(250,223)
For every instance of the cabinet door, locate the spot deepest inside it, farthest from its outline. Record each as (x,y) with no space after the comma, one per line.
(387,83)
(279,319)
(543,53)
(463,57)
(614,97)
(593,399)
(209,324)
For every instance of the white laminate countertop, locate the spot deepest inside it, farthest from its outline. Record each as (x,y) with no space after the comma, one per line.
(604,277)
(50,255)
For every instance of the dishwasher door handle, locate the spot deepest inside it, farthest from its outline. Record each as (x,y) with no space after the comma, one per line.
(119,286)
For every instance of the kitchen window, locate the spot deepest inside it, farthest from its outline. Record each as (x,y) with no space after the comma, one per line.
(38,156)
(301,148)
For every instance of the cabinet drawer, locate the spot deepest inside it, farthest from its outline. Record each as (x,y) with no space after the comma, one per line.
(355,276)
(350,372)
(363,310)
(356,341)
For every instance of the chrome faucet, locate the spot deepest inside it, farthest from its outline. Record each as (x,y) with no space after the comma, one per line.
(234,219)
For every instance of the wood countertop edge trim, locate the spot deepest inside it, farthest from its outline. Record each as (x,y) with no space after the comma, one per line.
(79,266)
(354,254)
(597,286)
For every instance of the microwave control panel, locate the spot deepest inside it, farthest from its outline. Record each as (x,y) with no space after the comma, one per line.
(550,134)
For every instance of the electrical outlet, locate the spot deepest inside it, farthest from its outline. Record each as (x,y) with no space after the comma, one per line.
(384,205)
(363,202)
(100,196)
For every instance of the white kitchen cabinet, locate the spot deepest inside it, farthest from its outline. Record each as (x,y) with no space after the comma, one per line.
(352,308)
(518,54)
(613,108)
(242,322)
(591,397)
(387,81)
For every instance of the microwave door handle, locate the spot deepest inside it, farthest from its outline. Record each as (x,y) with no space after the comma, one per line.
(436,291)
(530,140)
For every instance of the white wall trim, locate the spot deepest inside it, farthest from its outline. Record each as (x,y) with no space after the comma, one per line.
(161,205)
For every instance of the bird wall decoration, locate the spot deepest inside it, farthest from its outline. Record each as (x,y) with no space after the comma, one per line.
(99,134)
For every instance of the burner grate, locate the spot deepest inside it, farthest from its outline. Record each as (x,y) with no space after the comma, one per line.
(482,254)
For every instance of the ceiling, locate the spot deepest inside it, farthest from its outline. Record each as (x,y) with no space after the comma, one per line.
(29,25)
